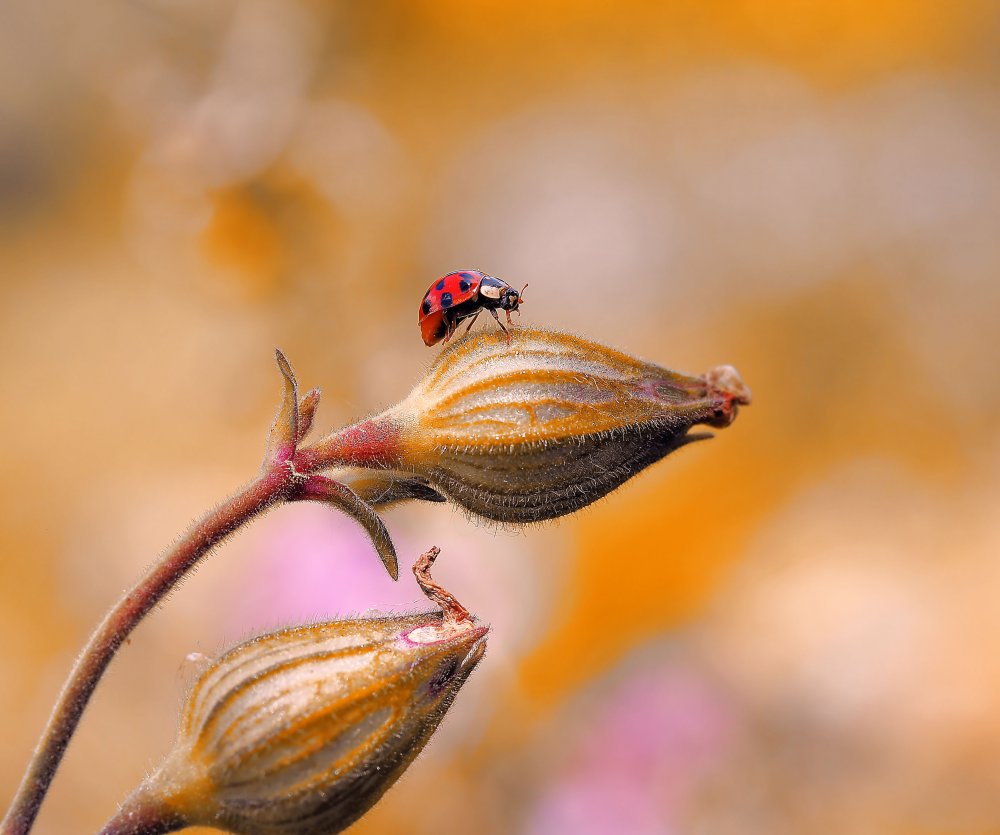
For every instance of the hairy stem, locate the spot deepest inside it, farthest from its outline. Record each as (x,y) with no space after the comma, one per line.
(118,625)
(283,478)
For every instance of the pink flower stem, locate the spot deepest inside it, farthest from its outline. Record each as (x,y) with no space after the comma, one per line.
(282,479)
(118,625)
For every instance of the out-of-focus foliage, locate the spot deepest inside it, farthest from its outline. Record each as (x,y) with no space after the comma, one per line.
(808,191)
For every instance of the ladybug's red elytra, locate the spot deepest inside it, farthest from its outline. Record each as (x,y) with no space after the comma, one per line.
(461,295)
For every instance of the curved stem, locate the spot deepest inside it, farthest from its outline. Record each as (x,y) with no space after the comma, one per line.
(118,625)
(368,443)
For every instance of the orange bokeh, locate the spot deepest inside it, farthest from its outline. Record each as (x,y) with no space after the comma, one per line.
(806,191)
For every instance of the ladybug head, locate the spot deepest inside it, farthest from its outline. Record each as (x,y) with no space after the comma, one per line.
(510,298)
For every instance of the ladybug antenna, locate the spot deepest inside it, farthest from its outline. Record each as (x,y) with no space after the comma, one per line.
(520,296)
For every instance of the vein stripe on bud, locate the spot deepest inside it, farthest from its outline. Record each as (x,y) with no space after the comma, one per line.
(301,731)
(545,426)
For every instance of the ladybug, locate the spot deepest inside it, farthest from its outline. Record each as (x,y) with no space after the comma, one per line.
(463,294)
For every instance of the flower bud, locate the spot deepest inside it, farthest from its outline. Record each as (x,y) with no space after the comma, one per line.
(302,730)
(550,423)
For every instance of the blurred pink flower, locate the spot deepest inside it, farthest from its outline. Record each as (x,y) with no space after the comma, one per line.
(646,746)
(311,563)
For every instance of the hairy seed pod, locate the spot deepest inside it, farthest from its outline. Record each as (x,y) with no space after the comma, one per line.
(529,430)
(550,423)
(302,730)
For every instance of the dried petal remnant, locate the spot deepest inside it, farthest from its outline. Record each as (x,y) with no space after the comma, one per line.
(302,730)
(551,423)
(454,612)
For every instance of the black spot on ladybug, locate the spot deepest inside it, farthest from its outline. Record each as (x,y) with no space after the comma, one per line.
(464,284)
(446,300)
(439,285)
(427,306)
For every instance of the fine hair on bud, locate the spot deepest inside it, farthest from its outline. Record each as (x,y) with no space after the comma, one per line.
(546,425)
(302,730)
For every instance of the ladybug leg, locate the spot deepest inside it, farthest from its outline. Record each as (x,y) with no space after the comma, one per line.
(505,331)
(451,325)
(473,321)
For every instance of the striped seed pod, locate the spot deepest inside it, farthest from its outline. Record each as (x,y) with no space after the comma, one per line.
(302,730)
(546,425)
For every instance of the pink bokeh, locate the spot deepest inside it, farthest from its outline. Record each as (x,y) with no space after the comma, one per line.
(311,563)
(648,742)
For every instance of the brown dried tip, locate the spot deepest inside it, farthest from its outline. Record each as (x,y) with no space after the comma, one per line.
(454,612)
(724,381)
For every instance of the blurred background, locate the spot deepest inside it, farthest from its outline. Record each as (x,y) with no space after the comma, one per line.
(790,629)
